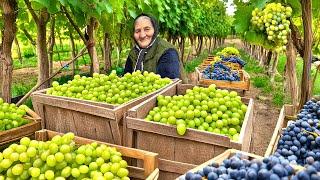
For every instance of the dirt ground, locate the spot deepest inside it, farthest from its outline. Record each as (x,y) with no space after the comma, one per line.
(265,114)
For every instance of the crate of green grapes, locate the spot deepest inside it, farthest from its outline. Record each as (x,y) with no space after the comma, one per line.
(53,155)
(187,125)
(17,122)
(93,107)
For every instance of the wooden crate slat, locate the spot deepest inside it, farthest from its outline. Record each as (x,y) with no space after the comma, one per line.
(168,130)
(174,166)
(74,105)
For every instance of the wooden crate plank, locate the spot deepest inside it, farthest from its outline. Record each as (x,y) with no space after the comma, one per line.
(168,130)
(156,143)
(174,166)
(197,152)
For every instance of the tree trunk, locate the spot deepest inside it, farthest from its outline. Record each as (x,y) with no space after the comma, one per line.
(181,47)
(307,50)
(200,44)
(92,48)
(107,52)
(290,73)
(18,49)
(210,45)
(10,9)
(274,70)
(43,62)
(73,53)
(51,45)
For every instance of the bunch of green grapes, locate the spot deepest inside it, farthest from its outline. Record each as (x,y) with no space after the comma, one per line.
(61,159)
(229,51)
(110,88)
(207,109)
(273,20)
(11,116)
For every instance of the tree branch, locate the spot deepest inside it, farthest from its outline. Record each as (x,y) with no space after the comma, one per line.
(73,24)
(28,35)
(297,39)
(34,15)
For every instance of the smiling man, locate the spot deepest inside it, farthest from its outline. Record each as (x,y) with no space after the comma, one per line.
(151,53)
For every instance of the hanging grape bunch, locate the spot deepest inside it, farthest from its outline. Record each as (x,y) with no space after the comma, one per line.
(273,20)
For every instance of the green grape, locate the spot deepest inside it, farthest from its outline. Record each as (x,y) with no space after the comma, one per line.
(83,169)
(14,157)
(80,158)
(108,175)
(17,169)
(75,172)
(51,160)
(49,174)
(59,157)
(25,141)
(24,157)
(31,152)
(65,148)
(66,172)
(122,172)
(35,172)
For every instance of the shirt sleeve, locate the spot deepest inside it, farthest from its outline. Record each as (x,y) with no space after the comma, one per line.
(168,65)
(128,67)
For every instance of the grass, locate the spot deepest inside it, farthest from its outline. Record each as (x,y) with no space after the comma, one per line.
(195,62)
(299,69)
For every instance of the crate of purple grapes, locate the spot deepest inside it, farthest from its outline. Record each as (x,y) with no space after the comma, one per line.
(187,125)
(234,164)
(297,140)
(237,80)
(93,107)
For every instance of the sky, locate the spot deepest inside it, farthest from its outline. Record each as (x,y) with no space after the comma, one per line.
(230,8)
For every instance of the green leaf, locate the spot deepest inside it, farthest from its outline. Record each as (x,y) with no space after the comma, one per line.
(259,3)
(108,7)
(242,18)
(132,13)
(257,39)
(52,5)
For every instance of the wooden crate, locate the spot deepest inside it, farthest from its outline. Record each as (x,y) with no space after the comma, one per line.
(225,155)
(177,154)
(287,113)
(15,134)
(93,120)
(149,170)
(243,84)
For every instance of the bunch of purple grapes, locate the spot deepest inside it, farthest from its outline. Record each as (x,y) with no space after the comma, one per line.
(234,59)
(240,167)
(300,141)
(219,71)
